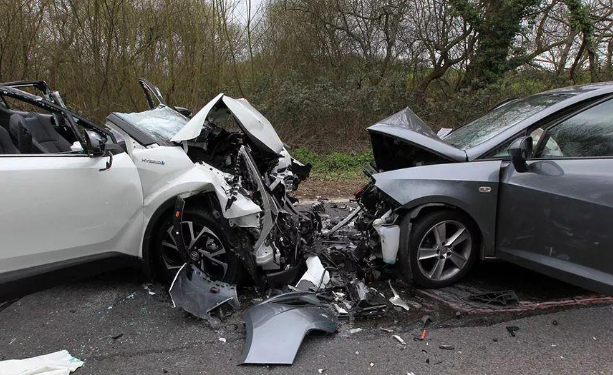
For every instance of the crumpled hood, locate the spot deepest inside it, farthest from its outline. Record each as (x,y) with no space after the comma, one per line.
(403,140)
(259,130)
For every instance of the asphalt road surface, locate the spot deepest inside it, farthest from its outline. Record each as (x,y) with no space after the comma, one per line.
(116,326)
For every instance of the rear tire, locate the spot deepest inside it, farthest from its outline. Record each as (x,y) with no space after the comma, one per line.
(440,250)
(219,260)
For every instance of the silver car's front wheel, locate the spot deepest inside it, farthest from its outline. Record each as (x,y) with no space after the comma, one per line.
(441,248)
(444,250)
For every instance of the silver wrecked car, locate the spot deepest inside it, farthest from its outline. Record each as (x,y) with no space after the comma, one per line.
(530,182)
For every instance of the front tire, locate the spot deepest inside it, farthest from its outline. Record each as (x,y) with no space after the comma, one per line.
(203,231)
(441,249)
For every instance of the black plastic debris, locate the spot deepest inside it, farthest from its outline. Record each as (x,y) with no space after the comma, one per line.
(195,292)
(367,304)
(446,347)
(277,326)
(503,298)
(512,330)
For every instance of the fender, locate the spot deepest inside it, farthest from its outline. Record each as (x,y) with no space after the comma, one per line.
(470,186)
(167,172)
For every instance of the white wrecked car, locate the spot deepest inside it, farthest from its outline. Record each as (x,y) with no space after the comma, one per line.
(75,194)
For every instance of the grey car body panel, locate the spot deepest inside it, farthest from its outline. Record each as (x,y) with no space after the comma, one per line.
(459,185)
(277,326)
(418,139)
(555,219)
(407,119)
(558,217)
(200,295)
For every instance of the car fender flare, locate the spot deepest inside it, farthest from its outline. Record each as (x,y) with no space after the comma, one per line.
(151,224)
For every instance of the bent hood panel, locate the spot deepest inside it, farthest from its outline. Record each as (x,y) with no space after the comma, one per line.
(403,140)
(259,130)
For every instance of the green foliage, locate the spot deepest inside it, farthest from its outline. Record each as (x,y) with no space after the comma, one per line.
(334,165)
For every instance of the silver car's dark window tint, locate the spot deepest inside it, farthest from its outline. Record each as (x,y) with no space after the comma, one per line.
(588,134)
(501,118)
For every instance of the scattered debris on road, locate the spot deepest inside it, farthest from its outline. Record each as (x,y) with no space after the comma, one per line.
(147,287)
(396,300)
(512,330)
(399,339)
(193,291)
(285,318)
(58,363)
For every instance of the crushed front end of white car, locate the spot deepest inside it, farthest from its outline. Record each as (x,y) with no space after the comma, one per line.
(229,176)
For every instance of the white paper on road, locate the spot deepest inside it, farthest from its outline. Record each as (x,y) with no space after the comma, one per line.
(58,363)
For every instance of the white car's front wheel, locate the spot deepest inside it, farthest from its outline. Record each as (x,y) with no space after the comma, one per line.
(204,234)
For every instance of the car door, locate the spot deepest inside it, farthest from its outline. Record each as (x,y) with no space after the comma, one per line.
(557,218)
(60,208)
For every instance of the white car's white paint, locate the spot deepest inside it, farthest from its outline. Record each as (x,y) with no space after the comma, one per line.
(59,207)
(252,122)
(193,128)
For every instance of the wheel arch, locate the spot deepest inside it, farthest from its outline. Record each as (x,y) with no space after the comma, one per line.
(206,199)
(414,213)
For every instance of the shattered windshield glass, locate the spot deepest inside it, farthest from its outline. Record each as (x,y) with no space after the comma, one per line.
(161,123)
(501,118)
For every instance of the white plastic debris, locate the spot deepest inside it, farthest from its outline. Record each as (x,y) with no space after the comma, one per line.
(399,339)
(222,339)
(316,276)
(396,300)
(355,330)
(340,310)
(147,287)
(58,363)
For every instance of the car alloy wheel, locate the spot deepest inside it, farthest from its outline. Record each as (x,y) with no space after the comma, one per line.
(444,250)
(213,255)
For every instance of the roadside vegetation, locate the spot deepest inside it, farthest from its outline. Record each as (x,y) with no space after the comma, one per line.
(334,165)
(320,70)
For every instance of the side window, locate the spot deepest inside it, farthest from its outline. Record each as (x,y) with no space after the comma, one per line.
(501,151)
(587,134)
(29,129)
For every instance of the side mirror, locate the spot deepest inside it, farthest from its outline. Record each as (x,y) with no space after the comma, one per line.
(520,151)
(184,111)
(97,144)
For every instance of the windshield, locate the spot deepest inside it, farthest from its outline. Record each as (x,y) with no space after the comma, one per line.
(501,118)
(161,123)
